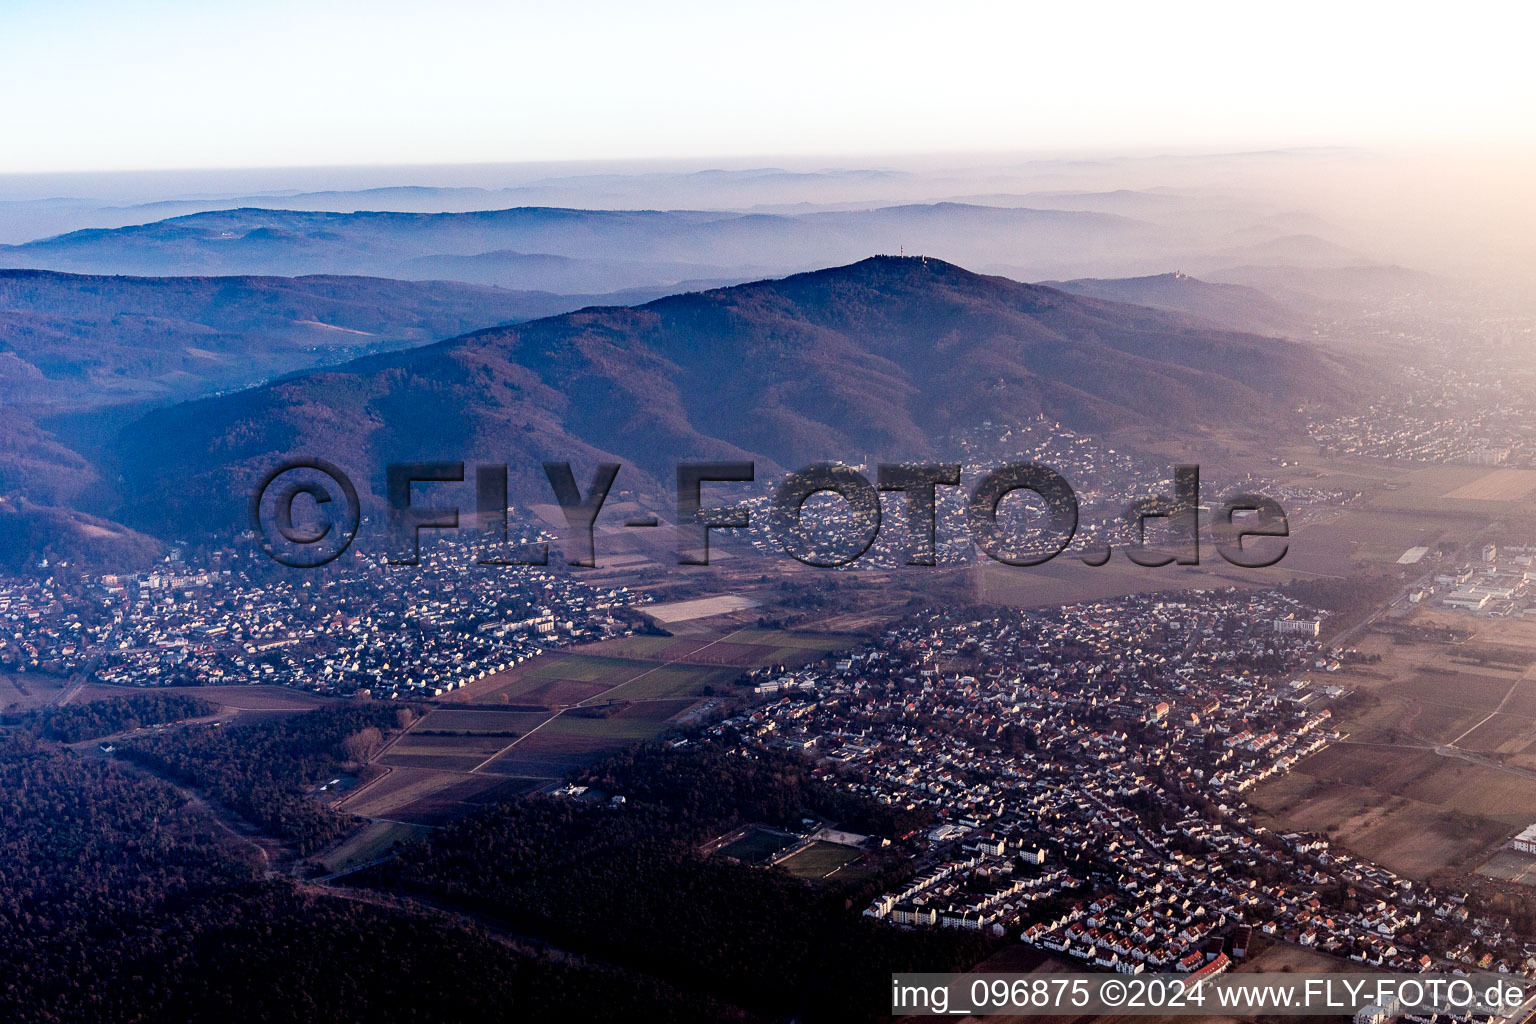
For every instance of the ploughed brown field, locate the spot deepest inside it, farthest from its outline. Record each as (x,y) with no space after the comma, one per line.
(529,727)
(1439,768)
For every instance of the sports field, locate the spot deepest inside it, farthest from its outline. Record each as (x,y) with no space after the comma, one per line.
(758,846)
(1510,866)
(819,860)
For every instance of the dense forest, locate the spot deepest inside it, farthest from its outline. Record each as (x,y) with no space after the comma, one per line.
(71,723)
(282,956)
(626,882)
(118,902)
(264,770)
(121,900)
(711,788)
(86,851)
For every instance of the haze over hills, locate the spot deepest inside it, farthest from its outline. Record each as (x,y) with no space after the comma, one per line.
(879,359)
(670,230)
(1201,212)
(542,271)
(126,199)
(1342,290)
(1165,189)
(605,248)
(1233,306)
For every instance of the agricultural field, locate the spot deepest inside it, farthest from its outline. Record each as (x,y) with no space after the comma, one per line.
(1021,958)
(1439,767)
(28,690)
(645,668)
(666,682)
(1479,694)
(578,738)
(1497,485)
(639,646)
(562,711)
(1312,551)
(1281,958)
(554,680)
(792,640)
(1326,543)
(1461,491)
(480,720)
(719,652)
(369,843)
(460,740)
(1445,705)
(700,608)
(1367,536)
(636,720)
(549,757)
(1499,734)
(426,796)
(446,753)
(1413,810)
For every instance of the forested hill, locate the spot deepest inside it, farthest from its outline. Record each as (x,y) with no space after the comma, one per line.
(881,358)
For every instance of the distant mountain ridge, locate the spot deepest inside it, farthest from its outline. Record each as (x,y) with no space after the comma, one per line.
(1233,306)
(878,359)
(606,249)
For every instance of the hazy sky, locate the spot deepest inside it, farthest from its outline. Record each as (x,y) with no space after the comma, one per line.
(98,85)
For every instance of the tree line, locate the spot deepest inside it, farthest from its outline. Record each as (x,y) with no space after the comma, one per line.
(71,723)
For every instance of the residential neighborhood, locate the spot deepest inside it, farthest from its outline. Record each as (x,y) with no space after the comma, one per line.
(1087,766)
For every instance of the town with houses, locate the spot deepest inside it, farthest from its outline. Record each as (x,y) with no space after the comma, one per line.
(865,742)
(1086,767)
(361,627)
(1450,403)
(1105,483)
